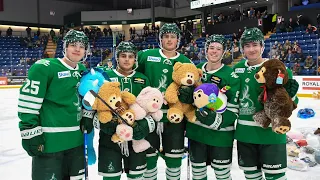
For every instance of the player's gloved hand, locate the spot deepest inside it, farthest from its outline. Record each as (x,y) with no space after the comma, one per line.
(108,128)
(186,94)
(209,118)
(143,127)
(292,87)
(33,140)
(86,122)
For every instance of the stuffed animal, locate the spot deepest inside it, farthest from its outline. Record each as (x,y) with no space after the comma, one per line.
(208,95)
(129,117)
(185,74)
(111,93)
(316,95)
(278,105)
(148,103)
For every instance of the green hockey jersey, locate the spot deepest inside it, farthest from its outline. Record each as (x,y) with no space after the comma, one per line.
(49,99)
(158,68)
(223,137)
(248,130)
(133,83)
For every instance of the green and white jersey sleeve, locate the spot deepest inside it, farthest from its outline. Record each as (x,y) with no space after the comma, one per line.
(49,100)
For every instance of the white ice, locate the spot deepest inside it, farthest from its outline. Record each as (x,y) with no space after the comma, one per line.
(16,164)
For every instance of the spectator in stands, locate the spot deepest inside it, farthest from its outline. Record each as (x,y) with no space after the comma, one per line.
(251,13)
(22,61)
(110,31)
(28,29)
(196,48)
(235,51)
(52,33)
(228,46)
(145,29)
(202,55)
(290,25)
(9,31)
(38,32)
(310,29)
(282,56)
(290,57)
(318,20)
(282,27)
(274,21)
(234,36)
(237,14)
(105,32)
(258,15)
(87,31)
(273,51)
(309,62)
(287,45)
(296,69)
(61,31)
(296,47)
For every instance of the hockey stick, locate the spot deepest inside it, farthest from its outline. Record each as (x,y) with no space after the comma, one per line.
(86,154)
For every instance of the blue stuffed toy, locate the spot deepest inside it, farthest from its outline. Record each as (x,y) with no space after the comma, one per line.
(92,79)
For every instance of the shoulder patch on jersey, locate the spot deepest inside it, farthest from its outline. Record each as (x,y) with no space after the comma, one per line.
(43,61)
(114,79)
(139,80)
(215,79)
(64,74)
(240,70)
(154,59)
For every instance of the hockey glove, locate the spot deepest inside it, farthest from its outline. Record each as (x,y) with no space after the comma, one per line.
(33,140)
(109,128)
(186,94)
(292,87)
(143,127)
(86,122)
(209,118)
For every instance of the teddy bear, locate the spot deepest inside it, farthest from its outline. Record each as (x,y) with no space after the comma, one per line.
(210,96)
(316,95)
(111,93)
(278,105)
(183,75)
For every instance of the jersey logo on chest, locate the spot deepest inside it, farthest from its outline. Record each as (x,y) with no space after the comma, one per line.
(215,79)
(64,74)
(154,59)
(139,80)
(240,70)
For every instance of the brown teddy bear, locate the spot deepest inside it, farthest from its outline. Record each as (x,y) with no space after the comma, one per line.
(278,105)
(111,93)
(186,74)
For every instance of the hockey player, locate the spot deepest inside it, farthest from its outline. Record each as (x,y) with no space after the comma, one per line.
(157,65)
(211,137)
(258,149)
(50,112)
(110,153)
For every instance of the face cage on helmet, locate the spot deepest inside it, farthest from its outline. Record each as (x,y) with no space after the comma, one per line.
(65,55)
(224,51)
(160,41)
(262,50)
(135,61)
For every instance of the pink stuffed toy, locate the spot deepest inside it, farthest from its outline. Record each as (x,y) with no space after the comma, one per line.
(148,103)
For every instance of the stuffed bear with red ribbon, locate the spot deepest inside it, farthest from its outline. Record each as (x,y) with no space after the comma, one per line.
(278,105)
